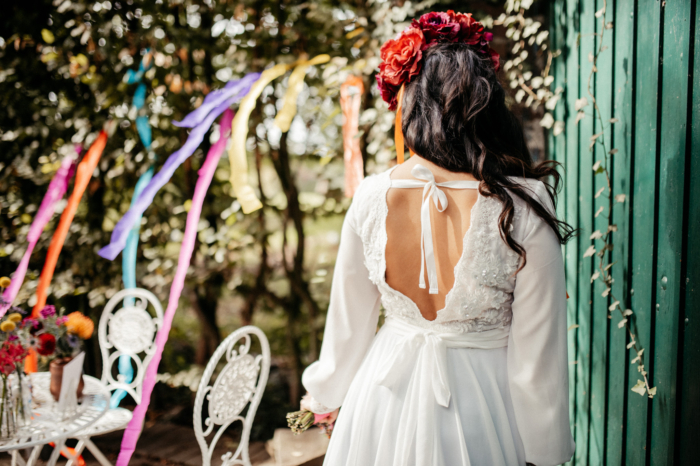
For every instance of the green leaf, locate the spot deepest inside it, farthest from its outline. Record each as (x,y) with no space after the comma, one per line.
(639,387)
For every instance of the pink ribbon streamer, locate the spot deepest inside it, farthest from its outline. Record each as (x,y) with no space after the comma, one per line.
(57,189)
(206,173)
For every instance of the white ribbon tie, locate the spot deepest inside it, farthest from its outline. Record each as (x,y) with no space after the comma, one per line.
(431,190)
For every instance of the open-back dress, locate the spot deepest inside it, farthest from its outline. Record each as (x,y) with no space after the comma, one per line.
(485,383)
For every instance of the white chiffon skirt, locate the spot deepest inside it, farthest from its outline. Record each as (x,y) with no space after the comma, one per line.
(403,424)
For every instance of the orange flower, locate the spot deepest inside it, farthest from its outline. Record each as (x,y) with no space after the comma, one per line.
(80,325)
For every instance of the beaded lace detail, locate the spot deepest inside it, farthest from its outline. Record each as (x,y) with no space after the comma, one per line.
(484,275)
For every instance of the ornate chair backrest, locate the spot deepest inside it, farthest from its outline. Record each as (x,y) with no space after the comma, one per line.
(127,328)
(242,380)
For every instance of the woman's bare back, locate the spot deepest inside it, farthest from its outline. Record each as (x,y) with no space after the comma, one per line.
(403,227)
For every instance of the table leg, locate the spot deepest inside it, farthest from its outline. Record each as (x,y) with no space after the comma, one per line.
(56,453)
(17,459)
(34,455)
(96,452)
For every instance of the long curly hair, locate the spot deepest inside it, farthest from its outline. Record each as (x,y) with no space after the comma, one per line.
(455,115)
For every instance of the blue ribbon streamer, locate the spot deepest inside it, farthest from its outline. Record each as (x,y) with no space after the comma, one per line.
(129,255)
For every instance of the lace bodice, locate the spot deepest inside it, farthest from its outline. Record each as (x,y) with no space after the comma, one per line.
(484,275)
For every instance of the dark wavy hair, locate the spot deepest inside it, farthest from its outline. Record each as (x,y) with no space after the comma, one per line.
(455,115)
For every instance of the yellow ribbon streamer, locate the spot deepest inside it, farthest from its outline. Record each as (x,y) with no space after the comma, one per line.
(239,133)
(284,118)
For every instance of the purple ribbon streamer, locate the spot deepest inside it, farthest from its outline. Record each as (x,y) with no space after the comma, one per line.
(206,173)
(214,98)
(121,230)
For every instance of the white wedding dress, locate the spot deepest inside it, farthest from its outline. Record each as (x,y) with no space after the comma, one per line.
(485,383)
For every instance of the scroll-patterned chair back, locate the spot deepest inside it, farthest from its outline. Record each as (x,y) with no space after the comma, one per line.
(240,383)
(128,328)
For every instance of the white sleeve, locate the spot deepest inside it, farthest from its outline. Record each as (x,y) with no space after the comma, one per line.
(351,322)
(537,348)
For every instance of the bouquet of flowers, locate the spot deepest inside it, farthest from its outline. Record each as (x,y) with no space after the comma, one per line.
(52,334)
(302,420)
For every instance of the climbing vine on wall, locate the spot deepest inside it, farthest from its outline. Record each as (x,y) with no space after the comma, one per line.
(602,241)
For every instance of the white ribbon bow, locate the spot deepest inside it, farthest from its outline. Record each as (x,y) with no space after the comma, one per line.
(431,190)
(418,364)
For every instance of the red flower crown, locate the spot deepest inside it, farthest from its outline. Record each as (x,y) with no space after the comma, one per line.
(402,57)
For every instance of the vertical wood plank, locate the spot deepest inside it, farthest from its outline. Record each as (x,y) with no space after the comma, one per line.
(599,311)
(674,108)
(689,396)
(642,204)
(585,225)
(622,141)
(570,52)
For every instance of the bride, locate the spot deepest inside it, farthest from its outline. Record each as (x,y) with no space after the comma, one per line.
(461,247)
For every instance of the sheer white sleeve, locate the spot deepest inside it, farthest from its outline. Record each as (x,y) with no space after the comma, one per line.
(351,322)
(537,348)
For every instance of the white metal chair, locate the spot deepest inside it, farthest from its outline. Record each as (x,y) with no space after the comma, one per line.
(129,329)
(242,380)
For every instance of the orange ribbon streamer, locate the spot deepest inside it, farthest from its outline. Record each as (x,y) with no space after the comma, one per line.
(398,131)
(350,99)
(82,178)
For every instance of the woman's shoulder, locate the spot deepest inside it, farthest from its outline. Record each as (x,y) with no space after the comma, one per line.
(371,186)
(536,189)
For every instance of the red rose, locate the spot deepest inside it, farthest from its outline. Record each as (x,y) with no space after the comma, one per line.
(437,27)
(46,345)
(470,30)
(495,58)
(401,61)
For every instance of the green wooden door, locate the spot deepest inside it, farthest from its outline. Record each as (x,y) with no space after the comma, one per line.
(647,79)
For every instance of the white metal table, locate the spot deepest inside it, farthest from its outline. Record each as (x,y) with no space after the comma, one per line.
(48,425)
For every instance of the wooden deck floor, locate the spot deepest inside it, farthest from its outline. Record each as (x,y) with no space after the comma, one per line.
(165,444)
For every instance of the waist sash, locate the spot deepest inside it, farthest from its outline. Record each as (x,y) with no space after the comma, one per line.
(420,362)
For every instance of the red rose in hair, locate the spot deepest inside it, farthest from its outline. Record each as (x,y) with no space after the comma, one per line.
(495,58)
(46,344)
(470,30)
(401,60)
(437,27)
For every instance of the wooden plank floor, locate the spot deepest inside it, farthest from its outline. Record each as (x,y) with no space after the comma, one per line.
(162,445)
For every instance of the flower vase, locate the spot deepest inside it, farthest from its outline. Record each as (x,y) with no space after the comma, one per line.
(8,424)
(56,369)
(21,397)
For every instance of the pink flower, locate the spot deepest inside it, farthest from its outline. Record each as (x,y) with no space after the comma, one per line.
(48,311)
(61,320)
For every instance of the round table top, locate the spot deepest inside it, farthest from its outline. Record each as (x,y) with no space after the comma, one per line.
(47,424)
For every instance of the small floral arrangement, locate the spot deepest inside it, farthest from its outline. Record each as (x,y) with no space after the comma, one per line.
(56,335)
(49,334)
(300,421)
(402,57)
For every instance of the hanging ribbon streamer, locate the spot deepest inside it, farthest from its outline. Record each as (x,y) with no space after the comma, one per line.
(239,133)
(82,178)
(57,189)
(350,100)
(143,128)
(121,230)
(206,173)
(398,131)
(295,84)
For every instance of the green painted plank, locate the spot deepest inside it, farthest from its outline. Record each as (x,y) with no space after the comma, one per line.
(585,225)
(570,53)
(642,205)
(674,108)
(599,313)
(622,141)
(689,396)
